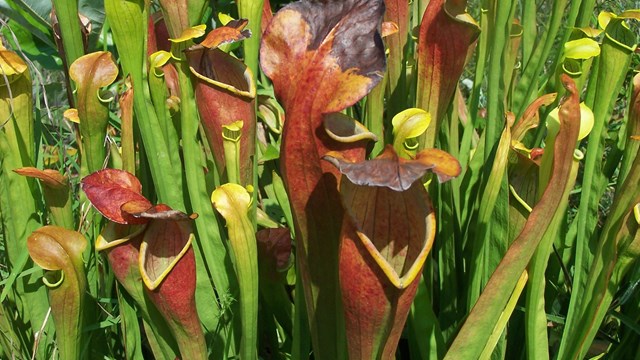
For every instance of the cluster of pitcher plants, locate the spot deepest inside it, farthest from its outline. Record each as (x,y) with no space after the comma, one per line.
(318,179)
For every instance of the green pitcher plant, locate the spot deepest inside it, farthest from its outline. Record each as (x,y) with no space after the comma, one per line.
(59,252)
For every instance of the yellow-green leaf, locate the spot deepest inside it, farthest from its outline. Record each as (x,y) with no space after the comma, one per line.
(584,48)
(586,121)
(190,33)
(233,201)
(408,124)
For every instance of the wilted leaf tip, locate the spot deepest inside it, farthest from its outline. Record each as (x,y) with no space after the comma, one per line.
(391,171)
(352,26)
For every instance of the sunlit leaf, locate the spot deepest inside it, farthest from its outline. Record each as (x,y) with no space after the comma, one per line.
(584,48)
(159,58)
(163,245)
(530,117)
(50,178)
(183,17)
(190,33)
(72,115)
(586,121)
(604,18)
(388,28)
(225,94)
(397,11)
(233,202)
(408,124)
(231,32)
(446,33)
(56,191)
(590,32)
(116,234)
(322,56)
(267,15)
(60,251)
(91,73)
(478,326)
(109,190)
(122,243)
(11,65)
(386,236)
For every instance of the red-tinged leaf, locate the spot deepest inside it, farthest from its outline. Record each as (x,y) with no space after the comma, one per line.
(51,247)
(109,190)
(126,137)
(232,32)
(122,244)
(50,178)
(617,249)
(322,57)
(225,93)
(477,328)
(167,265)
(386,236)
(335,49)
(388,28)
(158,35)
(396,227)
(440,163)
(398,13)
(375,310)
(163,244)
(446,34)
(267,15)
(274,251)
(55,188)
(633,128)
(345,129)
(180,15)
(175,299)
(530,117)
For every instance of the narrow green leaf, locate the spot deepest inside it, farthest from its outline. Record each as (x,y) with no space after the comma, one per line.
(613,64)
(252,10)
(504,318)
(128,20)
(483,254)
(479,325)
(69,21)
(17,149)
(129,326)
